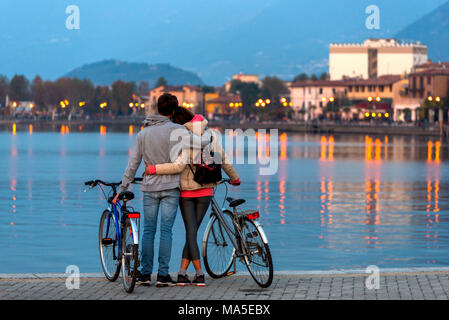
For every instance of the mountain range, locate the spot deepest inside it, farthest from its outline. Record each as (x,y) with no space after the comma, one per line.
(433,31)
(213,39)
(107,71)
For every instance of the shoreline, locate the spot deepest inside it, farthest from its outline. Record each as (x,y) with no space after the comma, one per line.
(286,273)
(291,127)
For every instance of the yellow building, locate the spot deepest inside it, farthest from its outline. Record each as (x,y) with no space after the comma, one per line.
(222,106)
(371,89)
(187,95)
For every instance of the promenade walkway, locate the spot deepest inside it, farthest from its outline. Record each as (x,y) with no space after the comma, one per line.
(404,284)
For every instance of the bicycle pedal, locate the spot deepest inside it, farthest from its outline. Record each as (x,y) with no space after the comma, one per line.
(106,241)
(230,274)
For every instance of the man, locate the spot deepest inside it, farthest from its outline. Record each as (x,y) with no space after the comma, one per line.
(154,145)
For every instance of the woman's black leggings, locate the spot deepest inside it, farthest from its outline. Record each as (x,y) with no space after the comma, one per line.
(193,211)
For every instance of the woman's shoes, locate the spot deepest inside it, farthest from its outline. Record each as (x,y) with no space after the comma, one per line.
(183,280)
(199,281)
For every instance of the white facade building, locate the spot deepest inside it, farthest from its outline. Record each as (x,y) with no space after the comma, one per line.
(310,97)
(374,58)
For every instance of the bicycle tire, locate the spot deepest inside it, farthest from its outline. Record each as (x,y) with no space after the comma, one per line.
(130,258)
(210,246)
(110,268)
(251,230)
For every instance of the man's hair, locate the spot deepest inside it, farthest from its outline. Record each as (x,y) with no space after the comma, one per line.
(166,104)
(182,116)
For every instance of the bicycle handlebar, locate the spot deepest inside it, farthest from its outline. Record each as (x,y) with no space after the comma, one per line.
(93,183)
(225,181)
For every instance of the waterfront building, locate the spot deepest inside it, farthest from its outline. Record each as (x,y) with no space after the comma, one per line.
(374,58)
(248,78)
(427,83)
(188,96)
(373,98)
(221,105)
(309,98)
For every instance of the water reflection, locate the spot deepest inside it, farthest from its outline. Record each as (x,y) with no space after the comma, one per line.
(335,202)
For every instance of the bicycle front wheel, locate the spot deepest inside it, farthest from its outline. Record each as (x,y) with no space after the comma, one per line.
(130,258)
(218,251)
(258,256)
(108,244)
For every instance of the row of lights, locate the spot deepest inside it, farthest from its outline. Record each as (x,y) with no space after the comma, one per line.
(430,99)
(371,99)
(15,105)
(263,103)
(379,115)
(132,105)
(187,105)
(285,103)
(331,99)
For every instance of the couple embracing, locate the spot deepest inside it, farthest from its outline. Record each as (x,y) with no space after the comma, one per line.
(169,183)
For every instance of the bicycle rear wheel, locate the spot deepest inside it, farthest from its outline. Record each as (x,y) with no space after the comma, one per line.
(218,251)
(258,259)
(108,244)
(130,258)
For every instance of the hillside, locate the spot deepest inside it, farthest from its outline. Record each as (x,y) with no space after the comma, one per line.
(433,31)
(107,71)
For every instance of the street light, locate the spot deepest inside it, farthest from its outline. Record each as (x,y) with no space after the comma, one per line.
(131,105)
(378,99)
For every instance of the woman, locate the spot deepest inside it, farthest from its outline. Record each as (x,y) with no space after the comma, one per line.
(195,198)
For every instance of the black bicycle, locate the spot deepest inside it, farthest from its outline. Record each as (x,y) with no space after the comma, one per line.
(232,235)
(118,237)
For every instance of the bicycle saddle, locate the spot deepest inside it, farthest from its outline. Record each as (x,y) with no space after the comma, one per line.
(235,202)
(126,196)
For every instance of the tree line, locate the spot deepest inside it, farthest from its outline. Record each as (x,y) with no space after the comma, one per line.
(68,95)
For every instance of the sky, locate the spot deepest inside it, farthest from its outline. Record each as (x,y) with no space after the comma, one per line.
(214,38)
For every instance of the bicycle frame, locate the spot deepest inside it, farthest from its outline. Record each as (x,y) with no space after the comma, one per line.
(220,216)
(114,213)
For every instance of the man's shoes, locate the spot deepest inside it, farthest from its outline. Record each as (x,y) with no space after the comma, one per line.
(183,280)
(199,281)
(165,281)
(143,279)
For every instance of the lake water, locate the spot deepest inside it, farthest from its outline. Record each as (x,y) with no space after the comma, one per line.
(343,201)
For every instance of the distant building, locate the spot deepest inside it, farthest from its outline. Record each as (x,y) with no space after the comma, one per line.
(248,78)
(374,58)
(363,89)
(310,97)
(221,105)
(187,94)
(429,82)
(373,96)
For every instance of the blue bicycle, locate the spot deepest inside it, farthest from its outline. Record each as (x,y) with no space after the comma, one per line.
(118,237)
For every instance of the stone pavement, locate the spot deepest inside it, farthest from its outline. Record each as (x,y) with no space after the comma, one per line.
(340,285)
